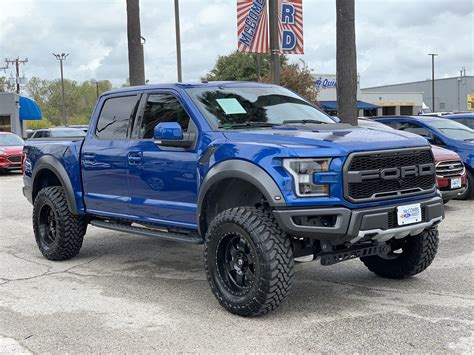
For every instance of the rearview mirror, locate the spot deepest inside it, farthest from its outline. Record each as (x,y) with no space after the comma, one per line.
(170,134)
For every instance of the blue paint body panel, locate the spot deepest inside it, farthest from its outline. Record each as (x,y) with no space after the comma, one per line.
(136,180)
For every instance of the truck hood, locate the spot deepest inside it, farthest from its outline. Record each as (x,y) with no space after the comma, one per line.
(342,138)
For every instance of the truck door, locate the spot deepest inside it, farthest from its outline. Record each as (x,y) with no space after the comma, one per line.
(162,180)
(104,158)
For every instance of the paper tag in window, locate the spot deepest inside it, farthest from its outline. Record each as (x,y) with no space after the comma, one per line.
(231,106)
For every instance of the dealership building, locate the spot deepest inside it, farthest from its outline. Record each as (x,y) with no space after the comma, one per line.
(15,110)
(451,94)
(369,102)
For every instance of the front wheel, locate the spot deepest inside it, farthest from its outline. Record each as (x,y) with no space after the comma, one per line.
(409,256)
(249,261)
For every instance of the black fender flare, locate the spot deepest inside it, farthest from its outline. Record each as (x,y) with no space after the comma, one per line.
(244,170)
(48,162)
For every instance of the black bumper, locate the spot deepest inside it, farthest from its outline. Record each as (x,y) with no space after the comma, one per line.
(449,194)
(339,224)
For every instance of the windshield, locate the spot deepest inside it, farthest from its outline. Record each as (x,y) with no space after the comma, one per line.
(68,133)
(273,105)
(10,140)
(453,130)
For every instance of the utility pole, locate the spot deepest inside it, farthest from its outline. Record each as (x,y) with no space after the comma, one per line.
(346,62)
(136,62)
(62,57)
(274,41)
(17,63)
(433,55)
(97,88)
(178,40)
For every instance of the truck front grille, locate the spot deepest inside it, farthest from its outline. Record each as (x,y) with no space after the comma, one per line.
(384,175)
(450,168)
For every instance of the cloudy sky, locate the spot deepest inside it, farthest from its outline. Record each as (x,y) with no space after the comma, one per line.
(393,37)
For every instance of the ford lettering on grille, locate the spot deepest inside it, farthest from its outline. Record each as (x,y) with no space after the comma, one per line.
(392,173)
(386,175)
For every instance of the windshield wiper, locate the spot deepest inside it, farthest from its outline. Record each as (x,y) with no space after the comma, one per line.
(305,121)
(469,140)
(248,124)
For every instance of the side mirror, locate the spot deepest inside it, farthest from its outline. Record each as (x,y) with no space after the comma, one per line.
(170,134)
(336,119)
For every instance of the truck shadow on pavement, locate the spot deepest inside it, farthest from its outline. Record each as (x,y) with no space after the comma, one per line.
(177,270)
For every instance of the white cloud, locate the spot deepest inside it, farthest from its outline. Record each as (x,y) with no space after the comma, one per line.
(393,37)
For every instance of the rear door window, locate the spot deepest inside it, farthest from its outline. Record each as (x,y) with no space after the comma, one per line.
(115,117)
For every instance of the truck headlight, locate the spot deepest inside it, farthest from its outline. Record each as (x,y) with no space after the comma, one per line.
(2,152)
(302,171)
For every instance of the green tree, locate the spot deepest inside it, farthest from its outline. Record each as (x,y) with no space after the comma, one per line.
(239,66)
(80,98)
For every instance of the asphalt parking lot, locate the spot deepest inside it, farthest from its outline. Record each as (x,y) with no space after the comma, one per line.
(135,294)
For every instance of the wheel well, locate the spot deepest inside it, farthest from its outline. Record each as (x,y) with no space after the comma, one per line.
(44,178)
(225,194)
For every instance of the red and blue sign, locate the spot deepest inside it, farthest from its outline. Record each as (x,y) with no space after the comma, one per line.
(291,26)
(252,26)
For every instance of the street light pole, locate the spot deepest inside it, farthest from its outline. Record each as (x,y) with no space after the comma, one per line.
(61,57)
(178,40)
(433,55)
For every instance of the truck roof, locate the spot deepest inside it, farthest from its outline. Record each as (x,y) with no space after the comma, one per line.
(210,84)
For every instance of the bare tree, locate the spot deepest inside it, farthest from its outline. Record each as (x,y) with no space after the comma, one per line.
(136,65)
(346,62)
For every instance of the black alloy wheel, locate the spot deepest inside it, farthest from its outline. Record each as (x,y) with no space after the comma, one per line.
(236,263)
(47,225)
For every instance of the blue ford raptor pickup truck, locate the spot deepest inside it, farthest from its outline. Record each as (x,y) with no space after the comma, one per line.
(254,172)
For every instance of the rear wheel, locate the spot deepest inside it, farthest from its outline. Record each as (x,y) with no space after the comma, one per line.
(58,232)
(409,256)
(249,261)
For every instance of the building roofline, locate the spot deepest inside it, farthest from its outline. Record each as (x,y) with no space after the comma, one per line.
(391,92)
(419,81)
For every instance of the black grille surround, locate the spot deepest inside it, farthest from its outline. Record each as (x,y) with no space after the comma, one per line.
(376,189)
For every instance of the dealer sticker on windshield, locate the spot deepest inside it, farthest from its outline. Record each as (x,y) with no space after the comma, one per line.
(409,214)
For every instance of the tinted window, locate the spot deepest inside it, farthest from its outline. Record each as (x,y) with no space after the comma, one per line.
(413,128)
(162,108)
(115,116)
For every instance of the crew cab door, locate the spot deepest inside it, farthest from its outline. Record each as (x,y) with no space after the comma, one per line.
(162,180)
(104,158)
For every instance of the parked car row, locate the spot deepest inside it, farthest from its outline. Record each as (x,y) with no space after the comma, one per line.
(444,132)
(451,177)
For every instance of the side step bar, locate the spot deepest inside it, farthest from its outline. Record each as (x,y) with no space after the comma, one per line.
(146,232)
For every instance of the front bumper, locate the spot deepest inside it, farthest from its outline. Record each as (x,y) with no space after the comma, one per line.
(449,194)
(339,225)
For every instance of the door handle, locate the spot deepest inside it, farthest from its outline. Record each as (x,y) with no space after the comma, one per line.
(88,158)
(135,158)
